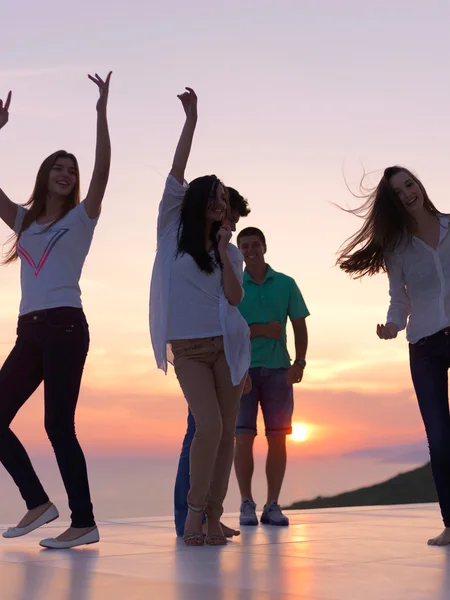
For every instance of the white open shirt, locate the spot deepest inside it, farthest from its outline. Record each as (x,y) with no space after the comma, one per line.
(234,328)
(419,285)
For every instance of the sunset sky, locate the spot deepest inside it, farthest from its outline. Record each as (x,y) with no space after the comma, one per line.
(294,98)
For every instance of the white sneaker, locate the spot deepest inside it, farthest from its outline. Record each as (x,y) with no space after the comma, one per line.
(47,517)
(92,537)
(272,515)
(248,513)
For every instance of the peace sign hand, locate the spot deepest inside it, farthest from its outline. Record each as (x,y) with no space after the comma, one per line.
(4,110)
(103,87)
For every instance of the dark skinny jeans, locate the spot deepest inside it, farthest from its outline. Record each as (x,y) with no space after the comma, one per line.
(430,362)
(51,346)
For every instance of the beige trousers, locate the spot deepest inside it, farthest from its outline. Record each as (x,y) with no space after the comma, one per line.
(204,376)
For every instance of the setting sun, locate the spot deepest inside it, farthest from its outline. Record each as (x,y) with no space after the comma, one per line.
(299,432)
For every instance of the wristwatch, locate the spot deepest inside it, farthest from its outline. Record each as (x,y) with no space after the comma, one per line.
(300,361)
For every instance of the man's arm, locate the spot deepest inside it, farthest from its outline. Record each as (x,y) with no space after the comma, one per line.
(271,330)
(297,312)
(301,337)
(295,373)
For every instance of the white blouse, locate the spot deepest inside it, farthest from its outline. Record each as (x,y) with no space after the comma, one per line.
(419,286)
(194,301)
(164,286)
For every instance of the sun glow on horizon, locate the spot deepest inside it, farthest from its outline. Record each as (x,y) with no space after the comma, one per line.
(300,432)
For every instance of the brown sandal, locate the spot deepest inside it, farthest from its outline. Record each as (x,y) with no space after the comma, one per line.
(193,539)
(216,540)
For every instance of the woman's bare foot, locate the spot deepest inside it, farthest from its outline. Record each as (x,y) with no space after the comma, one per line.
(215,535)
(441,540)
(74,533)
(34,514)
(193,535)
(227,531)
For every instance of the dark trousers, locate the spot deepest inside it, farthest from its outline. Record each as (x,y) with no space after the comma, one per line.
(183,479)
(51,346)
(430,361)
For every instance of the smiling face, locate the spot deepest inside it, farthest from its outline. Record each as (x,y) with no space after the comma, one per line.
(217,205)
(62,177)
(252,249)
(408,191)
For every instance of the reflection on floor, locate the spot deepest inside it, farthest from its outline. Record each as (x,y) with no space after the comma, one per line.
(373,553)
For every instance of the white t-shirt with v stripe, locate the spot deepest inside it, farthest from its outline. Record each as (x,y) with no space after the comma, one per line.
(52,260)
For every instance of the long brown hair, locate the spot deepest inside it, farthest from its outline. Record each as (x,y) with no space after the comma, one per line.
(38,198)
(387,224)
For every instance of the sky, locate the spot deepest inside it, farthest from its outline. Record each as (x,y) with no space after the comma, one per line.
(296,99)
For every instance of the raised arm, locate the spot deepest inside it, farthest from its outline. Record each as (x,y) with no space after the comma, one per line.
(172,199)
(100,175)
(8,209)
(189,102)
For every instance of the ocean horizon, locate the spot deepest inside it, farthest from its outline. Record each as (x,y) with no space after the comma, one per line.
(142,486)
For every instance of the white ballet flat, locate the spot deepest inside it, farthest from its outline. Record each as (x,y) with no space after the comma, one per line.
(92,537)
(47,517)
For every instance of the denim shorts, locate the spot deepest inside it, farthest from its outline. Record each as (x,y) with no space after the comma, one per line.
(271,389)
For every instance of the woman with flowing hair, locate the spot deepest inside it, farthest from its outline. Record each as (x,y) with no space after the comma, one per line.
(196,287)
(53,234)
(405,235)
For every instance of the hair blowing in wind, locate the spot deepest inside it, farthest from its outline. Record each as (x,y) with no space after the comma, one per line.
(387,223)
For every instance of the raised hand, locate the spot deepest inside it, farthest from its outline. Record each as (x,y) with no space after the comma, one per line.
(4,110)
(189,102)
(387,332)
(223,238)
(103,87)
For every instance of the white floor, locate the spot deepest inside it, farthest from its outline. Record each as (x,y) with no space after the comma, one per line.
(352,554)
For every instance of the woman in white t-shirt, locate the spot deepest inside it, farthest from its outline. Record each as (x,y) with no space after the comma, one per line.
(196,287)
(53,235)
(406,235)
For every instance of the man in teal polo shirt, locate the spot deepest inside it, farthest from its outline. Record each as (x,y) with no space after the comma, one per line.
(270,298)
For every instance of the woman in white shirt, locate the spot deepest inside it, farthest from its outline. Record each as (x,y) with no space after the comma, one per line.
(196,287)
(405,235)
(53,236)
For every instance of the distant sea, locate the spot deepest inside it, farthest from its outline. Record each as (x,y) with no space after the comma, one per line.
(124,487)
